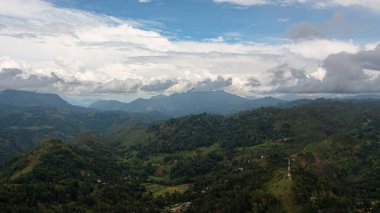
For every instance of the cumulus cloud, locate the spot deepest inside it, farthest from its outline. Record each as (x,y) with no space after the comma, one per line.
(73,51)
(13,78)
(213,84)
(120,86)
(252,84)
(158,85)
(344,73)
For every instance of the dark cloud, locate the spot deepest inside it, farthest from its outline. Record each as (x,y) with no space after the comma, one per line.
(336,25)
(345,73)
(11,78)
(120,86)
(158,85)
(9,73)
(284,75)
(213,85)
(253,82)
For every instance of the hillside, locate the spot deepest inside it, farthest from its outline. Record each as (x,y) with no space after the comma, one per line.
(63,178)
(22,128)
(18,98)
(213,163)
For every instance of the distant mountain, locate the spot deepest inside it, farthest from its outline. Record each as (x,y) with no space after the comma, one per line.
(108,105)
(363,97)
(178,104)
(26,118)
(18,98)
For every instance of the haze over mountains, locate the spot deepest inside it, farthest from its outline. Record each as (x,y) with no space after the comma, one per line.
(17,98)
(25,98)
(214,102)
(178,104)
(29,117)
(174,105)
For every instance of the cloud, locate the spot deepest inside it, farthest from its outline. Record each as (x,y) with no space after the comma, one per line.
(252,84)
(158,85)
(336,25)
(344,73)
(213,84)
(12,78)
(321,48)
(120,86)
(305,30)
(72,51)
(244,2)
(217,39)
(282,20)
(373,5)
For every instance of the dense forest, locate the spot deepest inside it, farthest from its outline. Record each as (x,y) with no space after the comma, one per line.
(322,156)
(23,128)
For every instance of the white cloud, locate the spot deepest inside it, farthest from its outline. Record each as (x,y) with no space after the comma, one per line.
(217,39)
(368,4)
(321,48)
(244,2)
(340,73)
(120,86)
(80,52)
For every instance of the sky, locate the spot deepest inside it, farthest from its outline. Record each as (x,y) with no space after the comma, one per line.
(124,49)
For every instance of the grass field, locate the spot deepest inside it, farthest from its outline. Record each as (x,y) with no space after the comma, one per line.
(281,187)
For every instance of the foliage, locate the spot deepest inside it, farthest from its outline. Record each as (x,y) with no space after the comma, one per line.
(207,163)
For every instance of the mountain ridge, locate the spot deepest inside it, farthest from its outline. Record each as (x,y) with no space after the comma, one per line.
(21,98)
(179,104)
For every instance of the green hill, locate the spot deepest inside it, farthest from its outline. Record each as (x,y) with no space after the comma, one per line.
(57,177)
(210,163)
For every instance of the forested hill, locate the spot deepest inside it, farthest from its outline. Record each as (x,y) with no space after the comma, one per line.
(23,128)
(18,98)
(318,157)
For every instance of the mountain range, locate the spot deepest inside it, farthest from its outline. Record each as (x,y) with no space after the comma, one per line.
(179,104)
(17,98)
(174,105)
